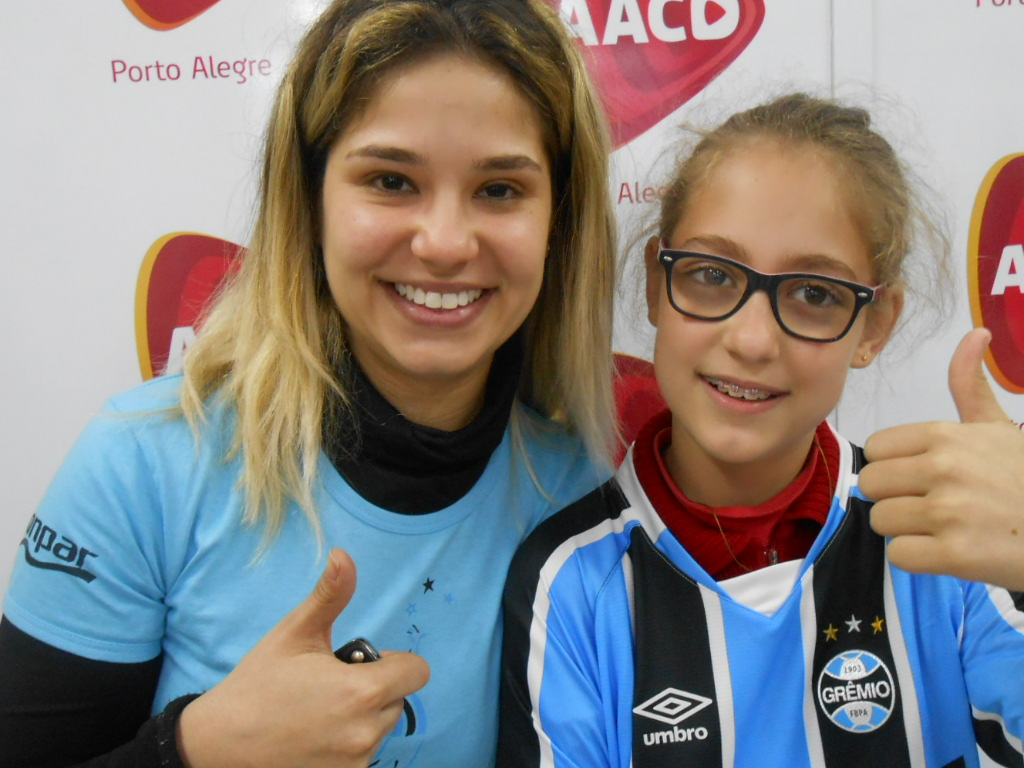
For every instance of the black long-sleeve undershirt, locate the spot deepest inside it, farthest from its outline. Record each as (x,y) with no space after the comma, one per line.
(58,709)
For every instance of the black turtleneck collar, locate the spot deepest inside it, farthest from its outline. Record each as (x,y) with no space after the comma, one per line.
(411,468)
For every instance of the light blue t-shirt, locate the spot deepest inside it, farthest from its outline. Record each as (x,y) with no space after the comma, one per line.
(137,549)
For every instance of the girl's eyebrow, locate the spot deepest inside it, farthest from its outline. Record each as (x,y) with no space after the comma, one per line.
(817,263)
(716,244)
(512,162)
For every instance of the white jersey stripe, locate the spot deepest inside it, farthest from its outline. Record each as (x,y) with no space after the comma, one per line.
(627,574)
(847,479)
(723,677)
(808,628)
(904,673)
(1006,607)
(639,505)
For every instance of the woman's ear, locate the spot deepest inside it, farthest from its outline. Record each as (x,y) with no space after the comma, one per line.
(655,278)
(882,317)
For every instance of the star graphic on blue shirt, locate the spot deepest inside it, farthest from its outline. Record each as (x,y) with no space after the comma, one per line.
(428,585)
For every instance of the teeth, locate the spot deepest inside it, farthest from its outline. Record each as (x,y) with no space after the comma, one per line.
(435,300)
(740,393)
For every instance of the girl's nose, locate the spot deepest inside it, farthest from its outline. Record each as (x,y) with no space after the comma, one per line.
(753,332)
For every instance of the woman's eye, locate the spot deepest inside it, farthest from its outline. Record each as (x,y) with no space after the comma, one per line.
(499,191)
(391,182)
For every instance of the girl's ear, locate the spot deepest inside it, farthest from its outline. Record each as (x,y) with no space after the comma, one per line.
(655,278)
(882,317)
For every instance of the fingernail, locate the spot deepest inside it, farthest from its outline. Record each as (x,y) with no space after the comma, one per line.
(333,567)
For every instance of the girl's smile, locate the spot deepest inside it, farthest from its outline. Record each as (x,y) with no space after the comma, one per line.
(745,391)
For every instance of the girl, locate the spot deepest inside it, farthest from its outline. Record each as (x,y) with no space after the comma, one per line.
(724,601)
(413,364)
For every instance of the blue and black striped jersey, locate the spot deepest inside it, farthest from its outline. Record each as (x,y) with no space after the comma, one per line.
(621,651)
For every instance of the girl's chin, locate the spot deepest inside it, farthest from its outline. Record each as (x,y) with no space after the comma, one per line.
(742,450)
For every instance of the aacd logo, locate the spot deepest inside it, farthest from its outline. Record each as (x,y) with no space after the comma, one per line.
(649,57)
(856,691)
(167,14)
(179,275)
(996,271)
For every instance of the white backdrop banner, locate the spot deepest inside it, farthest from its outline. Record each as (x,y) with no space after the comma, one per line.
(132,133)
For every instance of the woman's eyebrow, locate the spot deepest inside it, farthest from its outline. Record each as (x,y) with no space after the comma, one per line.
(384,152)
(509,163)
(512,162)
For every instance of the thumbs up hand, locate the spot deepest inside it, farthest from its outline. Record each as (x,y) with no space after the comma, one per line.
(290,702)
(951,495)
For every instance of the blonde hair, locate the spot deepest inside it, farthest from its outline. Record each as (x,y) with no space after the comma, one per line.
(890,212)
(273,347)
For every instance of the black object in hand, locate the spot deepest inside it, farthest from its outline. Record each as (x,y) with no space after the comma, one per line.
(358,651)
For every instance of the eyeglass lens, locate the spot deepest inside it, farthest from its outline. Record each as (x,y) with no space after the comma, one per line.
(815,307)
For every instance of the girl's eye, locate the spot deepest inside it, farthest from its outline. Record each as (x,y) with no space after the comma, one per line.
(708,275)
(498,191)
(821,294)
(391,182)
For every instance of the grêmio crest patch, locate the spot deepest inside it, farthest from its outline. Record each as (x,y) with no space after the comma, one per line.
(856,691)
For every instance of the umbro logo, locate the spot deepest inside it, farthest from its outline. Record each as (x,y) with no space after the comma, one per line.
(672,706)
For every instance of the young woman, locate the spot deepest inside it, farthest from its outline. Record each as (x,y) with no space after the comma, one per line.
(724,600)
(413,366)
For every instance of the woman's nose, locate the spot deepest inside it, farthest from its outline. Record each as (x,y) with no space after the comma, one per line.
(445,235)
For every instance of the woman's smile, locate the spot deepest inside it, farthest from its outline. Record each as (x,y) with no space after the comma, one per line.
(438,299)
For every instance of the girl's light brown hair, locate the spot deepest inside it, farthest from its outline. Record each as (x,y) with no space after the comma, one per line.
(878,186)
(274,346)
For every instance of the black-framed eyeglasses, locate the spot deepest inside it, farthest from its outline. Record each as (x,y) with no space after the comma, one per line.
(807,306)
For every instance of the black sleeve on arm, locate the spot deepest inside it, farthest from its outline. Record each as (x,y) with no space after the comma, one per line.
(58,709)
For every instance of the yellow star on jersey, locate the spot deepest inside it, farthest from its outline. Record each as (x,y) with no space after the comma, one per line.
(877,624)
(832,633)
